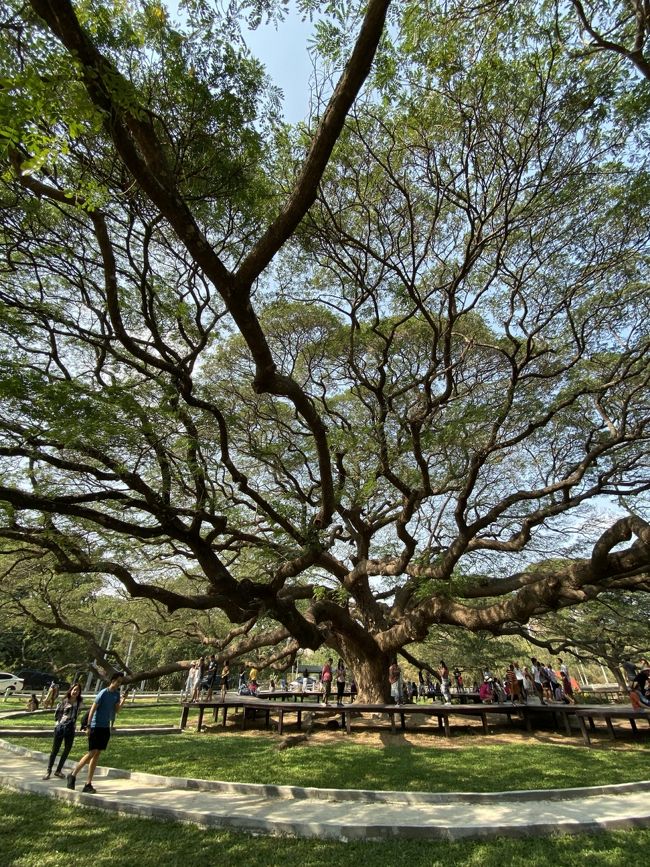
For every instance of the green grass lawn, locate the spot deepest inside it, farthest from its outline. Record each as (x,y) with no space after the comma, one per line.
(342,763)
(131,714)
(39,832)
(14,703)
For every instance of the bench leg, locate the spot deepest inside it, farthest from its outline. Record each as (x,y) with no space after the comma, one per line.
(347,721)
(447,727)
(281,722)
(299,720)
(184,714)
(200,722)
(225,711)
(583,731)
(610,728)
(485,725)
(633,724)
(402,721)
(393,730)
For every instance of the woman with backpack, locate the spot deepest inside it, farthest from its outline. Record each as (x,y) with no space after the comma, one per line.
(66,717)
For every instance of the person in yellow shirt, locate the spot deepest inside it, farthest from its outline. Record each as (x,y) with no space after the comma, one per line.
(252,678)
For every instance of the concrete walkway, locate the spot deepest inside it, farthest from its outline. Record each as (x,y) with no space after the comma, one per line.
(339,814)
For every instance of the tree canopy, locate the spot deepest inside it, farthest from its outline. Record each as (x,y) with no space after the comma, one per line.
(345,381)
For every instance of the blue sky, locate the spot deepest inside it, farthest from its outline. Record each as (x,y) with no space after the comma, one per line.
(285,55)
(283,51)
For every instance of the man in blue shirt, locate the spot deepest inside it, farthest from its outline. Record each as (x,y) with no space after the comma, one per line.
(100,718)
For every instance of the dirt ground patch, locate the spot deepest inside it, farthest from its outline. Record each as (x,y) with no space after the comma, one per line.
(423,732)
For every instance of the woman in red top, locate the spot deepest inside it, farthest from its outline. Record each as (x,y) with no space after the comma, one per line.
(326,680)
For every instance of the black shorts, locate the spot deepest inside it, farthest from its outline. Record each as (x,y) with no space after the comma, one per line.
(98,738)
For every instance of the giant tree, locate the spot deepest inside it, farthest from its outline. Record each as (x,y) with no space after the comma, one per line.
(345,382)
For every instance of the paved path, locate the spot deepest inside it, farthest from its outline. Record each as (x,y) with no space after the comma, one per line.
(339,814)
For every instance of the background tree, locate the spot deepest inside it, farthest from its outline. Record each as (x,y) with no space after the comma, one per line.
(344,383)
(608,631)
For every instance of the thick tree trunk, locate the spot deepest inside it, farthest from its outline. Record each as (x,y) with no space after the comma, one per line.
(618,673)
(369,667)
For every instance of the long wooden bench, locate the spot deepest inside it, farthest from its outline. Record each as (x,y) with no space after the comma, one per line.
(397,714)
(588,714)
(297,695)
(561,714)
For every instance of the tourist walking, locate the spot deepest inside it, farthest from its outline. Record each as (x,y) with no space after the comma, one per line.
(567,686)
(537,679)
(66,717)
(100,718)
(443,671)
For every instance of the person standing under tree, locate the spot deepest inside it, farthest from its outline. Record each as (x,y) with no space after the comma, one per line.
(100,718)
(51,696)
(211,675)
(340,682)
(66,717)
(513,684)
(443,671)
(225,672)
(188,689)
(567,686)
(198,677)
(326,680)
(395,680)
